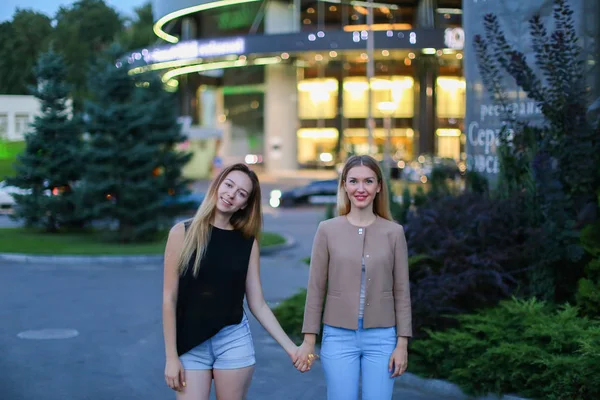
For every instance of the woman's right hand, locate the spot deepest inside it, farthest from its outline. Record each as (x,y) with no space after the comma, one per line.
(305,356)
(175,374)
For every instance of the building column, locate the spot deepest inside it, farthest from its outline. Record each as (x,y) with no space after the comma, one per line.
(340,121)
(426,71)
(11,132)
(281,96)
(425,120)
(426,14)
(280,17)
(281,118)
(188,101)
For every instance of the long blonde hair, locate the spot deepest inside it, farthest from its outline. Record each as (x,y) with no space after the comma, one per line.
(381,203)
(248,220)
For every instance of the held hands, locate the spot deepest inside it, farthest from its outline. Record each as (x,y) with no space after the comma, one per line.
(305,357)
(175,374)
(398,360)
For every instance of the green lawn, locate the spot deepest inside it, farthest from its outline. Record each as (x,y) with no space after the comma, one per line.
(8,155)
(20,240)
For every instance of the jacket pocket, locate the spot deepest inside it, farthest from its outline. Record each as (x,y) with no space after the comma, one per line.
(388,294)
(334,293)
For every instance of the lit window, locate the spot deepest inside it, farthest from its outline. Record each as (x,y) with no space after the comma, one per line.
(317,145)
(450,97)
(317,98)
(397,89)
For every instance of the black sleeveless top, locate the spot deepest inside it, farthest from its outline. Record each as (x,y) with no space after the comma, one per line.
(215,298)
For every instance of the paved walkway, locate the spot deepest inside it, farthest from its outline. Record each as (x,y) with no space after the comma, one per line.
(118,352)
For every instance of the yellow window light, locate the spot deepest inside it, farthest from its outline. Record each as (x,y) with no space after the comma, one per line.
(311,85)
(324,133)
(448,132)
(449,83)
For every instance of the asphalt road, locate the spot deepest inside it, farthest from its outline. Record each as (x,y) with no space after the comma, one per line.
(109,318)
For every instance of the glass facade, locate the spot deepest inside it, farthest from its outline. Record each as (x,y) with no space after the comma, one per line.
(333,106)
(416,94)
(395,15)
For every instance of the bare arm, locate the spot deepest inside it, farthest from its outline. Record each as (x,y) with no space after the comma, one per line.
(170,288)
(259,307)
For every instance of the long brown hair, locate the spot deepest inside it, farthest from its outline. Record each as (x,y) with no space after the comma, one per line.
(248,220)
(381,203)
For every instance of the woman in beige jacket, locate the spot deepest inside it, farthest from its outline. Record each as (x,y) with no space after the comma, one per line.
(359,269)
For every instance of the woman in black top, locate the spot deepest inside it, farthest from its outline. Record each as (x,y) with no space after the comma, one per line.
(211,262)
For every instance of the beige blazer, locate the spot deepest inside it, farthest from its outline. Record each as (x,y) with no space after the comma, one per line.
(336,274)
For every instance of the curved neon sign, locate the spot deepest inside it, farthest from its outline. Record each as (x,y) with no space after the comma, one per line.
(158,31)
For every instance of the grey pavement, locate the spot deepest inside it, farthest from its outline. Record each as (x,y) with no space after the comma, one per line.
(116,311)
(7,222)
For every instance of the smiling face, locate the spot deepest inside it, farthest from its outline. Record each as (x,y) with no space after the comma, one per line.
(361,186)
(233,193)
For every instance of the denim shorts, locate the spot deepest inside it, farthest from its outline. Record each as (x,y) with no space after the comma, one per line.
(230,348)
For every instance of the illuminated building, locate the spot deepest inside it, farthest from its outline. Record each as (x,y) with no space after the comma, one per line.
(286,81)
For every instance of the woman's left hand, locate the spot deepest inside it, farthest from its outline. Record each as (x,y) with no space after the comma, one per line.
(398,361)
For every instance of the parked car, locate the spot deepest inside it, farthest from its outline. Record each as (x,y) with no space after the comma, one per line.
(190,201)
(420,169)
(316,192)
(7,201)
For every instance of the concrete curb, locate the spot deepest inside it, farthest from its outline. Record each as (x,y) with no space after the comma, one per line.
(443,388)
(276,248)
(105,259)
(74,259)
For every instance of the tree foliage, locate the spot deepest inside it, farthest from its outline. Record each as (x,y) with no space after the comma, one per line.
(553,165)
(132,165)
(51,164)
(80,32)
(138,31)
(23,40)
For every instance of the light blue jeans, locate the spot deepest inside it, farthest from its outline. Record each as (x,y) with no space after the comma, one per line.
(345,352)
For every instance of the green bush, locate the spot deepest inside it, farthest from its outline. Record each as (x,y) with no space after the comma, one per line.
(400,211)
(523,347)
(588,291)
(290,314)
(330,210)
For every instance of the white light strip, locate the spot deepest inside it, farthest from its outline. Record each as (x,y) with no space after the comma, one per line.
(218,65)
(165,65)
(455,11)
(194,49)
(158,31)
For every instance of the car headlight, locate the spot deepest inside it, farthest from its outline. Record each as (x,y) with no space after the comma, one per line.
(275,198)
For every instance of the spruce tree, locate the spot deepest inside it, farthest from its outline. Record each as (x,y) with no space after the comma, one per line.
(50,165)
(131,161)
(164,132)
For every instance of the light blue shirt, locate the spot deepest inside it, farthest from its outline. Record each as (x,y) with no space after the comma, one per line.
(361,306)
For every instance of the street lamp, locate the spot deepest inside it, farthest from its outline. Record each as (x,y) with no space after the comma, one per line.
(387,108)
